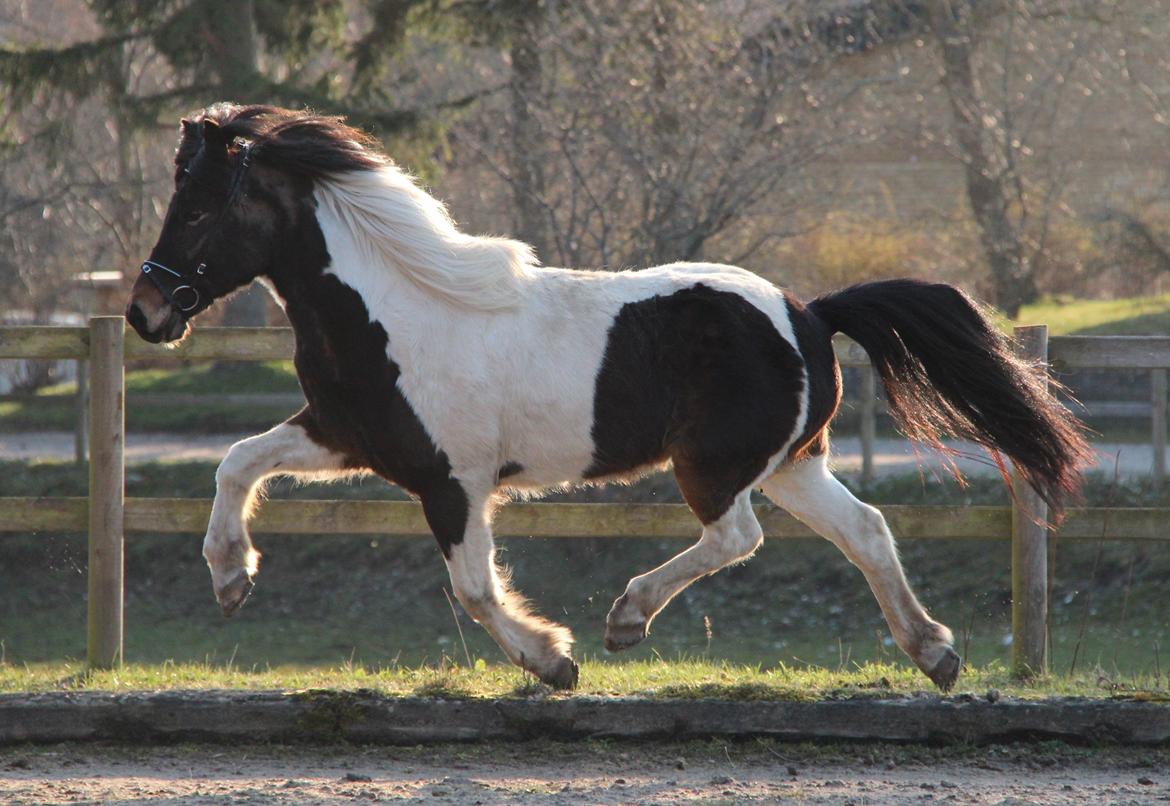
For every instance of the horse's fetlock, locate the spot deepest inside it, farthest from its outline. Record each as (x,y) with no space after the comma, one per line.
(226,557)
(478,605)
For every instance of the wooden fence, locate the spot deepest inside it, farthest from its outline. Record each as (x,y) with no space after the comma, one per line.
(107,514)
(870,406)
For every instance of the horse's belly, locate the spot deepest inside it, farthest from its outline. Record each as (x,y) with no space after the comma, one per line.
(550,438)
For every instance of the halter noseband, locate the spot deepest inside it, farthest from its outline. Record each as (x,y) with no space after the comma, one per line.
(182,290)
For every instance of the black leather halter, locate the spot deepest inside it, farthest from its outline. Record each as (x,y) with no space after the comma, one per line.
(188,291)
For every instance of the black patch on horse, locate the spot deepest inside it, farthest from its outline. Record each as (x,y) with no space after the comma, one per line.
(354,405)
(814,340)
(703,378)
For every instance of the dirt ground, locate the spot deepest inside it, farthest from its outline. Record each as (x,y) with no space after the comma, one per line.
(712,772)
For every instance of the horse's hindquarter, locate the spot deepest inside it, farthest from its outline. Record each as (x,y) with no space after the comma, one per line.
(617,369)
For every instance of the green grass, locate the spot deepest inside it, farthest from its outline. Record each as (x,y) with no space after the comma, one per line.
(683,678)
(379,602)
(54,409)
(1133,316)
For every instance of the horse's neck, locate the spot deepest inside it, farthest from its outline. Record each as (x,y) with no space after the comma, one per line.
(331,295)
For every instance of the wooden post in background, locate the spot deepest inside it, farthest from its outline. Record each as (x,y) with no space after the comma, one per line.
(868,425)
(1029,547)
(80,428)
(1158,424)
(107,430)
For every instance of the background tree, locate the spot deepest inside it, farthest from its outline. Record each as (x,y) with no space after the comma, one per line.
(621,134)
(662,124)
(1011,72)
(132,68)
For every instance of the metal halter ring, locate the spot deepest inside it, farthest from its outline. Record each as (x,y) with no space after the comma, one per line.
(166,285)
(178,303)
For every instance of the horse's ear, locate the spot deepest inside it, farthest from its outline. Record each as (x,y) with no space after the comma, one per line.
(212,133)
(188,127)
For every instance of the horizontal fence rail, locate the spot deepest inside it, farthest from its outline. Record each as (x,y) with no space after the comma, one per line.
(204,344)
(277,343)
(107,515)
(660,521)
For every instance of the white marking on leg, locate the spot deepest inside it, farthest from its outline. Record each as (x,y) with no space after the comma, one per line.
(733,537)
(284,450)
(811,494)
(527,639)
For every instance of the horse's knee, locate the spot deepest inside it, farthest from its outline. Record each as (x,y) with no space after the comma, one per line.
(477,602)
(232,471)
(475,588)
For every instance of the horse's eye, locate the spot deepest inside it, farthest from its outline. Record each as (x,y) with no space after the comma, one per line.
(193,217)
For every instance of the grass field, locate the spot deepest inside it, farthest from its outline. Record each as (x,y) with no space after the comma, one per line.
(379,603)
(675,679)
(1132,316)
(54,408)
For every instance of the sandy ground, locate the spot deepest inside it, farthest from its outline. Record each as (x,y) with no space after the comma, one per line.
(891,456)
(584,773)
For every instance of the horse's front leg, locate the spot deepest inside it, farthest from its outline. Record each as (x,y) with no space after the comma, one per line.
(462,525)
(286,449)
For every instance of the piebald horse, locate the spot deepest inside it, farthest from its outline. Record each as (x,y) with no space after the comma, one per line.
(458,368)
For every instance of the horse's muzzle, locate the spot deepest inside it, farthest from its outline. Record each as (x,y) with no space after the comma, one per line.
(172,328)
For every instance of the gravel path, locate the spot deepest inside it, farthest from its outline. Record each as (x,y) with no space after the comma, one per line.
(891,456)
(584,773)
(139,447)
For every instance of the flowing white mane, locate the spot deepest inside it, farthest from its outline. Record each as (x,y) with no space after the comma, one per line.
(399,226)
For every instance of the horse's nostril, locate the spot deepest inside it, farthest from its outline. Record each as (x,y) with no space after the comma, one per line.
(136,317)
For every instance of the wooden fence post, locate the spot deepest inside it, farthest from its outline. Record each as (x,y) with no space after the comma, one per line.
(107,429)
(1029,548)
(868,425)
(1158,424)
(80,429)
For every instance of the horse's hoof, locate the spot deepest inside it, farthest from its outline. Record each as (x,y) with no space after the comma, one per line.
(623,630)
(946,671)
(232,596)
(623,636)
(562,675)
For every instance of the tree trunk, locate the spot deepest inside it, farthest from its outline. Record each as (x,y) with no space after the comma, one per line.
(987,184)
(230,30)
(527,154)
(231,35)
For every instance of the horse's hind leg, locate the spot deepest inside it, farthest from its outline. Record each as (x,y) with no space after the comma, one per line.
(810,493)
(285,449)
(529,641)
(732,536)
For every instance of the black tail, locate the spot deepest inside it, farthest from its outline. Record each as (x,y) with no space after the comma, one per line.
(948,372)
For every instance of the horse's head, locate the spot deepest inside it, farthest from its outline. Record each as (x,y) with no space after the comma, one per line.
(244,179)
(213,238)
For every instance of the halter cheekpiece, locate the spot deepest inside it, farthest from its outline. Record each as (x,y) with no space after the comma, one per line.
(180,289)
